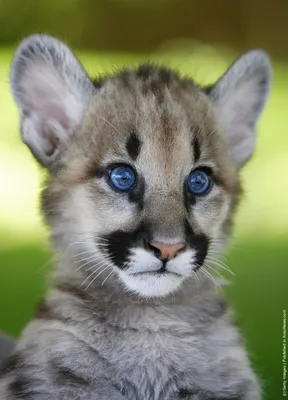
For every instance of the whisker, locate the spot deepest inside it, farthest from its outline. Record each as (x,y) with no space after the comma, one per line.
(196,278)
(209,276)
(83,242)
(220,265)
(92,257)
(217,254)
(40,269)
(88,237)
(88,262)
(96,277)
(83,252)
(90,234)
(74,243)
(216,259)
(202,270)
(107,277)
(92,273)
(102,263)
(213,269)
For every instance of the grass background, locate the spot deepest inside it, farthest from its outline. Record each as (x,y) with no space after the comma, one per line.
(259,252)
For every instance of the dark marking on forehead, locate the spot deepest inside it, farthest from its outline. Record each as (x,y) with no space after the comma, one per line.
(133,146)
(155,79)
(166,123)
(126,79)
(145,71)
(196,149)
(163,76)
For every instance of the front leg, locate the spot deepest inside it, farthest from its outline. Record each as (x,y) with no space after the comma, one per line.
(56,366)
(223,379)
(184,394)
(59,383)
(247,390)
(24,387)
(188,395)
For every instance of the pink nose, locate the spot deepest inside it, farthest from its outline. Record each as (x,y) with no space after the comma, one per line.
(167,251)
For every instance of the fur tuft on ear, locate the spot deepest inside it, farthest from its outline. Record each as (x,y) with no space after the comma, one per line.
(239,97)
(52,91)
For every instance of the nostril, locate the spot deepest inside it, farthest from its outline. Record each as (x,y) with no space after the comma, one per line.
(157,253)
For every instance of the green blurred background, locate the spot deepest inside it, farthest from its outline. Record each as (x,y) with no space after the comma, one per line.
(199,39)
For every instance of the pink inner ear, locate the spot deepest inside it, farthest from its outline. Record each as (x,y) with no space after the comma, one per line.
(53,140)
(54,110)
(59,115)
(239,112)
(241,105)
(47,93)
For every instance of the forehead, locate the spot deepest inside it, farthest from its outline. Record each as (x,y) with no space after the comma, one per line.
(154,116)
(153,104)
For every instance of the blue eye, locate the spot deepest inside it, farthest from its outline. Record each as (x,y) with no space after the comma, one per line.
(122,178)
(199,182)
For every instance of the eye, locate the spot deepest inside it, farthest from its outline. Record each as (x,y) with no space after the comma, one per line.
(199,182)
(122,178)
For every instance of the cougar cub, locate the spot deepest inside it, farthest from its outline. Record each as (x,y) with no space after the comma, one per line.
(143,180)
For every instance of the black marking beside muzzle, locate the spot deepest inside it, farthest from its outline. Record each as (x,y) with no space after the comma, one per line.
(118,244)
(199,242)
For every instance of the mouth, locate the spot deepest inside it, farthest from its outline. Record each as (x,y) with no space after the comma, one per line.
(154,283)
(160,272)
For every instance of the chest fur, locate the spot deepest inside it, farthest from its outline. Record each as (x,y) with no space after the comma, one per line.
(152,365)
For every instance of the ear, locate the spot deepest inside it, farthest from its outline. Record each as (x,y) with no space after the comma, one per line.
(52,92)
(239,97)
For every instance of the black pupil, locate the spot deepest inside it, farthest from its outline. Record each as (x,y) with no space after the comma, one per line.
(199,180)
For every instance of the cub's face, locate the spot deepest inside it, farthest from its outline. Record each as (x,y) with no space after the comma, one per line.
(146,184)
(143,166)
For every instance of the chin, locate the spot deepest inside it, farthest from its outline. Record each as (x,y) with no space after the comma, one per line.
(151,284)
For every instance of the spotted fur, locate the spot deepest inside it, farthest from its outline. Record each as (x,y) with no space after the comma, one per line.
(118,322)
